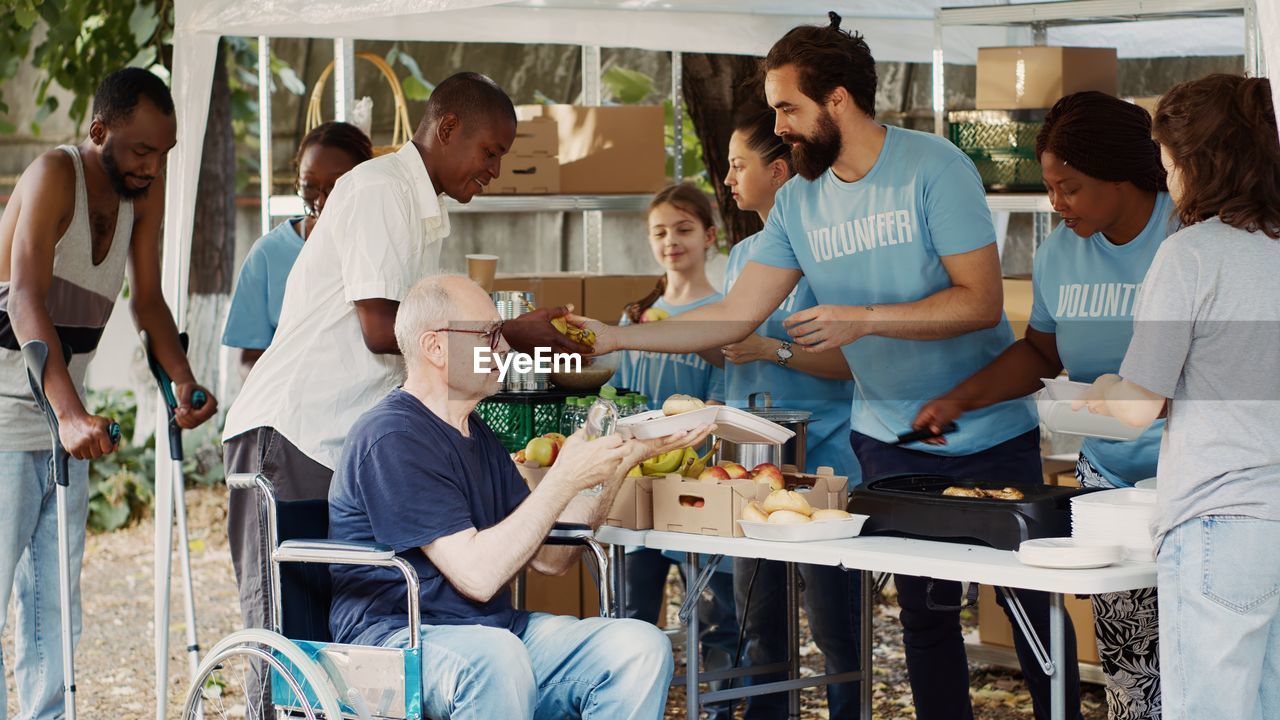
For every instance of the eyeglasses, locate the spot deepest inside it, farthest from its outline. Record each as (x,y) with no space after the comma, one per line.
(493,335)
(311,194)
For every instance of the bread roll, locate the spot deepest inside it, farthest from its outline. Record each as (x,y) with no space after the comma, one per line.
(787,500)
(681,403)
(753,512)
(829,514)
(787,517)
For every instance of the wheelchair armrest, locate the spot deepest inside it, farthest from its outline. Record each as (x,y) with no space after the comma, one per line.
(334,552)
(569,534)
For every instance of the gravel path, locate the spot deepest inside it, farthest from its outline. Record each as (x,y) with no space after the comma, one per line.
(115,666)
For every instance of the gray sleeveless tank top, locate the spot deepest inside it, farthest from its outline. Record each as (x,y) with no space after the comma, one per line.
(81,297)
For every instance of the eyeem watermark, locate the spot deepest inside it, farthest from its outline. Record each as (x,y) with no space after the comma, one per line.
(543,360)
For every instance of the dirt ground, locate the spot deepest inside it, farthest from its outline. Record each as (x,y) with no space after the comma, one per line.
(115,666)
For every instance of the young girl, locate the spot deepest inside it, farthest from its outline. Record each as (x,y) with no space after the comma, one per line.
(326,153)
(1206,348)
(682,233)
(1104,178)
(759,164)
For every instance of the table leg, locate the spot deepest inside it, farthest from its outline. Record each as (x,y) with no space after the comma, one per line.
(691,655)
(865,638)
(1057,649)
(793,639)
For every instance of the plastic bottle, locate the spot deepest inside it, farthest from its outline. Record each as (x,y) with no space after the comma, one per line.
(642,404)
(601,420)
(568,417)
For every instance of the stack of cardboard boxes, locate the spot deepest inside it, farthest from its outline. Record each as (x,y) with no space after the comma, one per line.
(602,297)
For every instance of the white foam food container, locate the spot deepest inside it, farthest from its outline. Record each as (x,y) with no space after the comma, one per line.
(1068,553)
(805,532)
(732,424)
(1054,405)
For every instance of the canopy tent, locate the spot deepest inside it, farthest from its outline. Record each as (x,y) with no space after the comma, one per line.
(897,31)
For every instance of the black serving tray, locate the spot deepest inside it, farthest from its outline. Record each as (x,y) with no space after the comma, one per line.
(914,506)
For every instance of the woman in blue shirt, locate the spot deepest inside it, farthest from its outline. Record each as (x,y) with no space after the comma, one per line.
(326,153)
(682,233)
(1105,179)
(759,164)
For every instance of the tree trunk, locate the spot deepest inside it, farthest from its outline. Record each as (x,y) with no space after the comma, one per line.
(213,245)
(714,87)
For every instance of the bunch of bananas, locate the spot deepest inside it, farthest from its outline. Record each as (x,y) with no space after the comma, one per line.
(574,333)
(684,462)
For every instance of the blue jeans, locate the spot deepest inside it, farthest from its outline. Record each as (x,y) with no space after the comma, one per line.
(29,568)
(560,667)
(833,600)
(1220,619)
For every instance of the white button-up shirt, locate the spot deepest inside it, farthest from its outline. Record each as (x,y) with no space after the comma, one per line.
(380,233)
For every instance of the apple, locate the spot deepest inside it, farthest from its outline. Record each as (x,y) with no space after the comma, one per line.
(736,471)
(654,314)
(714,474)
(768,474)
(556,437)
(542,451)
(692,502)
(520,456)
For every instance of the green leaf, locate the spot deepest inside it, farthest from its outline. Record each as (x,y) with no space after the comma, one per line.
(145,57)
(412,66)
(143,22)
(291,81)
(7,128)
(415,89)
(627,86)
(25,16)
(392,54)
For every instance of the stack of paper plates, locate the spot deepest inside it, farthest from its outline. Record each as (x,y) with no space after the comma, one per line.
(1120,517)
(1068,553)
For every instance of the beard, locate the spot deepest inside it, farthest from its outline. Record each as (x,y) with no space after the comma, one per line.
(117,177)
(813,155)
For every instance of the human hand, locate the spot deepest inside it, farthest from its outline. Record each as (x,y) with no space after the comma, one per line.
(935,415)
(534,329)
(189,416)
(754,348)
(85,436)
(825,327)
(1095,396)
(606,335)
(584,463)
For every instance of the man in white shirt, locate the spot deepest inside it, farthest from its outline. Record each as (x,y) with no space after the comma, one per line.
(335,353)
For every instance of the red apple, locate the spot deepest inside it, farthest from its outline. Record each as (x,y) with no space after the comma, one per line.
(556,437)
(714,474)
(768,474)
(542,451)
(736,471)
(520,456)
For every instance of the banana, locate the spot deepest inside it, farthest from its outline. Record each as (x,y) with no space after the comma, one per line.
(663,464)
(573,332)
(686,462)
(700,464)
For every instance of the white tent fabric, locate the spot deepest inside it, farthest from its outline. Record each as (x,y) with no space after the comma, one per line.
(897,30)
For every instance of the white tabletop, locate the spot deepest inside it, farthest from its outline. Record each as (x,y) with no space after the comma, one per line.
(938,560)
(620,536)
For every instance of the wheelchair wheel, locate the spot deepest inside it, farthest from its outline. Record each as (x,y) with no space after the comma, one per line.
(219,690)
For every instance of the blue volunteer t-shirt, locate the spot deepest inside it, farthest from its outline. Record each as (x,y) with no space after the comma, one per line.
(1083,291)
(880,240)
(827,400)
(660,375)
(255,306)
(406,478)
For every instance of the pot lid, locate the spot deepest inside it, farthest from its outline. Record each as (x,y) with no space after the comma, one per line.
(780,415)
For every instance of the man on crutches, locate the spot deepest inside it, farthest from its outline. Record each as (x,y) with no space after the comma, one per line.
(79,216)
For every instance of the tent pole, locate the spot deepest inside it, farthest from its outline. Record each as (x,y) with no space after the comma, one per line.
(264,130)
(677,115)
(939,82)
(344,78)
(592,220)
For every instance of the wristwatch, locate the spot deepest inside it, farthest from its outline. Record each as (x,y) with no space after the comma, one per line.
(784,353)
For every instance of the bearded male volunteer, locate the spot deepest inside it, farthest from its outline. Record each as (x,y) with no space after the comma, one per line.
(892,230)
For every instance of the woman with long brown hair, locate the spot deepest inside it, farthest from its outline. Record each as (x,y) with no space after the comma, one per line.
(1206,351)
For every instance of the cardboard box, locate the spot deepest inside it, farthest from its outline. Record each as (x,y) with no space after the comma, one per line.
(1017,304)
(1055,469)
(549,289)
(824,490)
(604,297)
(1015,78)
(723,502)
(994,627)
(526,175)
(633,506)
(606,150)
(538,137)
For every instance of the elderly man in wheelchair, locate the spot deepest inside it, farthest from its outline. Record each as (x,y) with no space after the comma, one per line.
(427,510)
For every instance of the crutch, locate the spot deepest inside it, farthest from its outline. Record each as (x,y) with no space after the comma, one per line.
(179,506)
(36,354)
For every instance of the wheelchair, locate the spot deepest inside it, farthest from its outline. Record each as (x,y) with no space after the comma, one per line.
(308,675)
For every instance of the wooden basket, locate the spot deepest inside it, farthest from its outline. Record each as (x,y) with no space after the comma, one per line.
(400,134)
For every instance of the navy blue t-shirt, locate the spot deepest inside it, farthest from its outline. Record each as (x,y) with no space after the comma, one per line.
(407,478)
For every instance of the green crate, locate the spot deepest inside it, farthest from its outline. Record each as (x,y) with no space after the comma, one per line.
(1002,145)
(518,417)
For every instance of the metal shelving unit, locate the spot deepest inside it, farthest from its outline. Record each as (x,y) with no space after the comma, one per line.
(1040,17)
(592,207)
